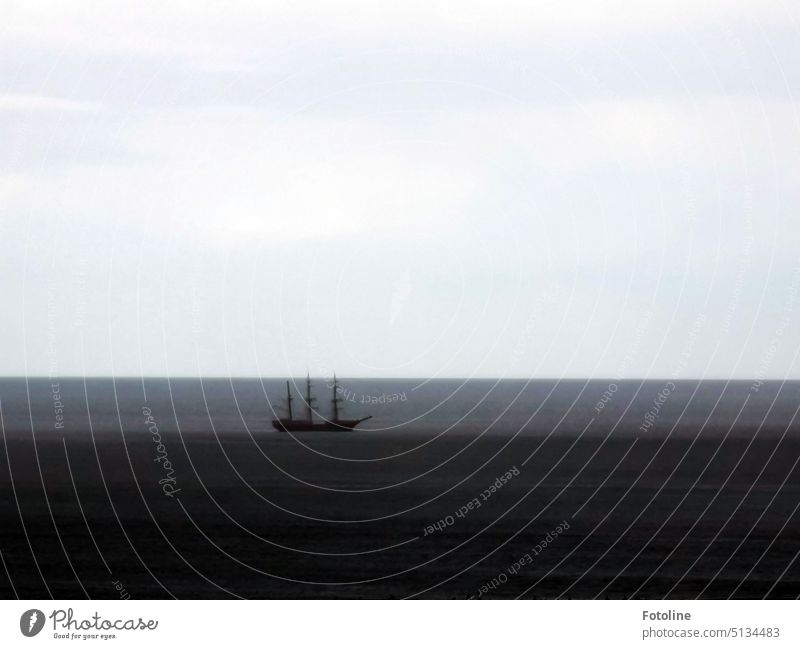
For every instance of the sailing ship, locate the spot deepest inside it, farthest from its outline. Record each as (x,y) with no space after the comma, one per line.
(291,423)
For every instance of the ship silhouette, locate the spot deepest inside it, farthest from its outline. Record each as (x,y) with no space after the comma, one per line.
(291,423)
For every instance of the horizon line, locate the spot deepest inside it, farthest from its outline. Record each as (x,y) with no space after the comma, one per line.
(140,377)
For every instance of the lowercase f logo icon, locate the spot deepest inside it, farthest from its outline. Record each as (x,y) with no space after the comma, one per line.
(31,622)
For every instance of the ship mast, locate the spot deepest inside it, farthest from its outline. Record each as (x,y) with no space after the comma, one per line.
(309,399)
(335,400)
(289,399)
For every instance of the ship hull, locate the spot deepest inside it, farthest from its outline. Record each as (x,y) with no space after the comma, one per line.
(295,425)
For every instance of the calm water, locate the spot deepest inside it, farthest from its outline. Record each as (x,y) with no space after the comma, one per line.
(453,489)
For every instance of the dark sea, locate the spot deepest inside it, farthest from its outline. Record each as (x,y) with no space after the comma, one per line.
(454,489)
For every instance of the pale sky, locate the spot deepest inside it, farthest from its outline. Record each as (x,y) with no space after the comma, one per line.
(521,189)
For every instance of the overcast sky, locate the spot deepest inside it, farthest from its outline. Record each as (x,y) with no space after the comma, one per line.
(527,189)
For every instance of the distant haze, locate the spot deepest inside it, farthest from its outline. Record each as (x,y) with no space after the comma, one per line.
(546,189)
